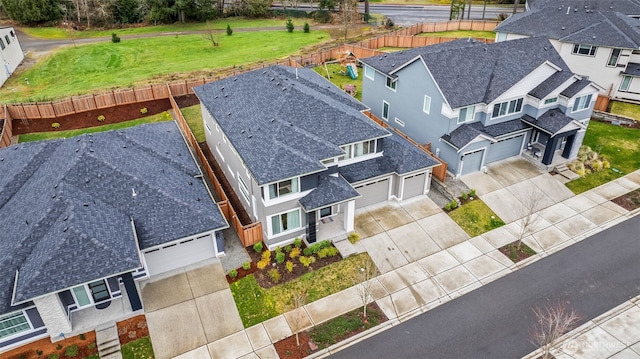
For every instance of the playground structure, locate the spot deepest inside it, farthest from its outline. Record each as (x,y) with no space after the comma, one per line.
(348,67)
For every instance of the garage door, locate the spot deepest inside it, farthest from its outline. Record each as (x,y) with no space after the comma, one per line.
(179,255)
(372,193)
(413,186)
(472,161)
(504,149)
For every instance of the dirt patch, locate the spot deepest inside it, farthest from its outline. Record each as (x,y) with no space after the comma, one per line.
(629,201)
(132,329)
(516,255)
(43,348)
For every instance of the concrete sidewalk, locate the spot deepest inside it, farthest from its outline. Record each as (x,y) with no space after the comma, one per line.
(422,269)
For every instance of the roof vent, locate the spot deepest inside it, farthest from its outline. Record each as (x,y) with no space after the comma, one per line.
(594,36)
(249,136)
(228,113)
(133,193)
(284,89)
(264,72)
(215,97)
(242,131)
(234,80)
(575,10)
(273,119)
(65,229)
(563,28)
(222,88)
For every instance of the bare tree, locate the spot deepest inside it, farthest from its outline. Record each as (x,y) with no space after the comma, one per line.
(552,321)
(531,204)
(211,35)
(362,279)
(299,299)
(348,15)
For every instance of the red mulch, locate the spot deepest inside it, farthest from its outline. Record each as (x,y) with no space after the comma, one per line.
(29,351)
(629,201)
(132,329)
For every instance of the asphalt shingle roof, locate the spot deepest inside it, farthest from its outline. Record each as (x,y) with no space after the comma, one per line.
(470,72)
(579,25)
(283,122)
(628,7)
(575,87)
(75,203)
(632,69)
(547,86)
(466,133)
(330,190)
(551,121)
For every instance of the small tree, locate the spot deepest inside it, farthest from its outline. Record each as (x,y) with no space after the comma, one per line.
(362,278)
(229,30)
(299,299)
(211,35)
(348,15)
(531,204)
(552,321)
(306,28)
(290,25)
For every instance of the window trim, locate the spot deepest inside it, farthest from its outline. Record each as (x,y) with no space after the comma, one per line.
(279,215)
(373,72)
(577,106)
(277,191)
(388,109)
(622,85)
(517,108)
(577,48)
(551,100)
(350,149)
(426,105)
(394,84)
(10,316)
(617,57)
(243,188)
(320,215)
(467,119)
(399,121)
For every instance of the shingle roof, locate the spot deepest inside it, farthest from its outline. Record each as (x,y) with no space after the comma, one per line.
(547,86)
(551,121)
(628,7)
(282,113)
(467,132)
(400,157)
(75,196)
(575,87)
(330,190)
(470,72)
(579,25)
(632,69)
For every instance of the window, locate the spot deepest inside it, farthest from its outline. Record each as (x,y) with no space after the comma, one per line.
(12,34)
(243,188)
(283,188)
(399,122)
(502,36)
(550,100)
(626,81)
(12,324)
(1,44)
(392,83)
(206,125)
(219,153)
(285,222)
(426,106)
(466,114)
(6,37)
(613,58)
(588,50)
(99,291)
(358,149)
(581,103)
(507,108)
(385,110)
(369,72)
(82,298)
(325,212)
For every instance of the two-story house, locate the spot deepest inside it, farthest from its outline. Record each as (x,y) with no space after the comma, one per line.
(301,154)
(598,40)
(478,103)
(10,52)
(83,218)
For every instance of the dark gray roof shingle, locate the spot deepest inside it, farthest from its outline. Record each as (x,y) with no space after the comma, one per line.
(632,69)
(469,72)
(85,185)
(466,133)
(575,87)
(628,7)
(547,86)
(550,122)
(281,112)
(330,190)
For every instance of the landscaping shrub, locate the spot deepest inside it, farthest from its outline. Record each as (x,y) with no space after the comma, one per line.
(305,261)
(280,257)
(454,204)
(263,263)
(472,193)
(306,28)
(275,275)
(258,247)
(297,242)
(144,110)
(289,265)
(322,16)
(53,356)
(39,352)
(353,237)
(101,118)
(82,336)
(59,346)
(71,351)
(115,38)
(246,265)
(229,30)
(328,252)
(266,255)
(91,345)
(307,251)
(295,252)
(233,273)
(278,249)
(290,25)
(464,196)
(55,125)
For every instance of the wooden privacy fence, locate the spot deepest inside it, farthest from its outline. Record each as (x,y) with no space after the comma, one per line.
(7,131)
(249,234)
(602,103)
(409,41)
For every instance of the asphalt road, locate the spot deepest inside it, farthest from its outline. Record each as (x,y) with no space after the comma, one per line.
(494,321)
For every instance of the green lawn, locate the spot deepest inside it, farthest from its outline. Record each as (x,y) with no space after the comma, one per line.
(87,68)
(221,24)
(257,305)
(138,349)
(475,218)
(621,146)
(193,115)
(39,136)
(339,79)
(461,34)
(626,109)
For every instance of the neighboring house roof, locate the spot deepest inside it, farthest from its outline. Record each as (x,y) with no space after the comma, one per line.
(486,70)
(628,7)
(576,25)
(632,69)
(400,156)
(283,121)
(330,190)
(550,122)
(66,206)
(464,134)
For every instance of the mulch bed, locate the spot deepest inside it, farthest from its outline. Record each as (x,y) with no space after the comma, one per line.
(629,201)
(86,348)
(510,250)
(288,348)
(132,329)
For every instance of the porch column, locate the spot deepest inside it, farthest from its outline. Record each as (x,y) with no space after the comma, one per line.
(132,291)
(53,315)
(311,227)
(549,150)
(349,215)
(566,153)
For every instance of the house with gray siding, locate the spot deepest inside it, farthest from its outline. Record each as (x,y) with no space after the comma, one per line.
(597,39)
(83,218)
(11,52)
(477,103)
(301,154)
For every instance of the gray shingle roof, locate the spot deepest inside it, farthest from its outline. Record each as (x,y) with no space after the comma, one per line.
(547,86)
(632,69)
(400,157)
(330,190)
(85,185)
(466,133)
(628,7)
(579,25)
(575,87)
(470,72)
(550,122)
(281,113)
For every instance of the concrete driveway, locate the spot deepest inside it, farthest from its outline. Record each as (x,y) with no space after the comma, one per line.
(512,186)
(188,308)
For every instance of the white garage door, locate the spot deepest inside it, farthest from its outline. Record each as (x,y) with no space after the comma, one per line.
(372,193)
(413,186)
(179,255)
(504,149)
